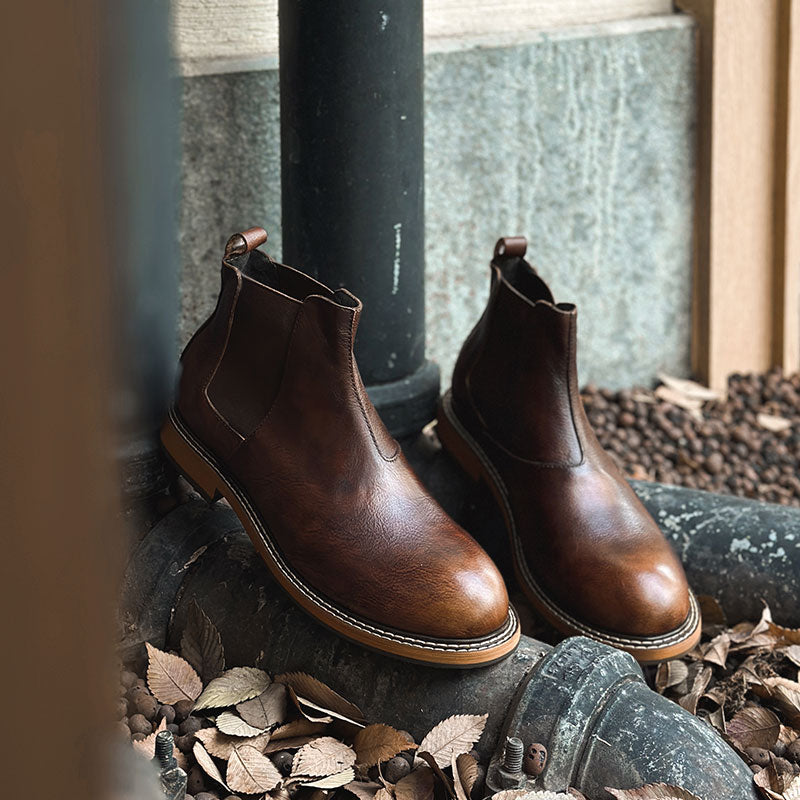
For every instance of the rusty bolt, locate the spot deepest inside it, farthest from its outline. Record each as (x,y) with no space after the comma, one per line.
(510,773)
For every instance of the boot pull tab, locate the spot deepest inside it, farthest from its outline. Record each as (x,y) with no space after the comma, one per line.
(244,242)
(511,246)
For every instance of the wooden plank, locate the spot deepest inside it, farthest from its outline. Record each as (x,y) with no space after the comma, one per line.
(735,287)
(786,331)
(227,35)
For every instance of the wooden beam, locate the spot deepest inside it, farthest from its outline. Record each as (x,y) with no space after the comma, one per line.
(745,307)
(786,330)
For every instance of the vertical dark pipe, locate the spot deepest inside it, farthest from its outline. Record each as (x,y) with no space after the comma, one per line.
(351,76)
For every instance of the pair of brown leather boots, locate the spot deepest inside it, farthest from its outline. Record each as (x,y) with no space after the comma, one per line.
(272,415)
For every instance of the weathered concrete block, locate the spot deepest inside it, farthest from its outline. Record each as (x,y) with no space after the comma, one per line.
(580,139)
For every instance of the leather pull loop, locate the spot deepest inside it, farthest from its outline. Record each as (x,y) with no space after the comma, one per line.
(244,242)
(510,247)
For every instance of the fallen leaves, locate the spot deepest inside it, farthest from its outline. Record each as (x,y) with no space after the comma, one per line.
(456,734)
(232,687)
(207,763)
(266,710)
(653,791)
(308,692)
(323,756)
(170,678)
(235,726)
(201,645)
(250,772)
(377,743)
(754,726)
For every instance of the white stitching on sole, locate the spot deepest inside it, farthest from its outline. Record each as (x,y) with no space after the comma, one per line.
(649,643)
(504,634)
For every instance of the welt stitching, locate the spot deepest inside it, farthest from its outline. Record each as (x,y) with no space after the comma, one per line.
(360,401)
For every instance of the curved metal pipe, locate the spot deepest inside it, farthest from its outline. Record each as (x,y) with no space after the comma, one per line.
(586,702)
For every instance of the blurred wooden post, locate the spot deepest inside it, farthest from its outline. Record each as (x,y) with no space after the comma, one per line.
(745,303)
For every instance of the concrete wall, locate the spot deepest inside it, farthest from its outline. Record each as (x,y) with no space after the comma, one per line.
(580,138)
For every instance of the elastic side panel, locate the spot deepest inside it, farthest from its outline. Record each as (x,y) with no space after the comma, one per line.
(249,375)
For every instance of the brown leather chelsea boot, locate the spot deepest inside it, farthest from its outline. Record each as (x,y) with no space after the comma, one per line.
(586,552)
(272,415)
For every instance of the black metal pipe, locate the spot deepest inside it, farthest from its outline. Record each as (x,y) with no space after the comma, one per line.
(586,702)
(351,84)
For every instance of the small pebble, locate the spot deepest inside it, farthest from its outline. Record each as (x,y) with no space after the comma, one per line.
(122,708)
(779,748)
(232,797)
(167,713)
(139,724)
(396,768)
(793,751)
(182,709)
(185,743)
(206,796)
(173,729)
(283,761)
(196,782)
(144,704)
(756,768)
(758,755)
(190,726)
(128,678)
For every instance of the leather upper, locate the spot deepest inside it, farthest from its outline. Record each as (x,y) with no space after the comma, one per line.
(271,387)
(587,539)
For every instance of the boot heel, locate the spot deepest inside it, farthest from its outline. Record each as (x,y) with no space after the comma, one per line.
(190,463)
(454,442)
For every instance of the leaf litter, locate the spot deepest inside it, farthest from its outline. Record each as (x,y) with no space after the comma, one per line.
(292,736)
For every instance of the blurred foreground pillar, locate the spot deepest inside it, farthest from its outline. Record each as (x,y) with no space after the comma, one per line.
(352,182)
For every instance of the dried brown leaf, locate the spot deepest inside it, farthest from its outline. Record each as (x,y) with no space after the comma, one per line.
(235,726)
(323,756)
(465,773)
(298,727)
(784,635)
(383,794)
(417,785)
(653,791)
(575,793)
(456,734)
(670,673)
(332,781)
(679,399)
(147,746)
(293,743)
(711,611)
(266,710)
(201,644)
(701,681)
(221,745)
(249,771)
(207,764)
(754,726)
(363,790)
(690,389)
(792,652)
(773,423)
(509,794)
(321,697)
(377,743)
(717,719)
(716,651)
(170,678)
(444,781)
(232,687)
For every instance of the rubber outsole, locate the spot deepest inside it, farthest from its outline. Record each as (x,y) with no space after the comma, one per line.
(468,453)
(202,471)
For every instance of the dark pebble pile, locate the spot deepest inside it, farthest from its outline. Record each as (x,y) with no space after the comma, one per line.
(727,451)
